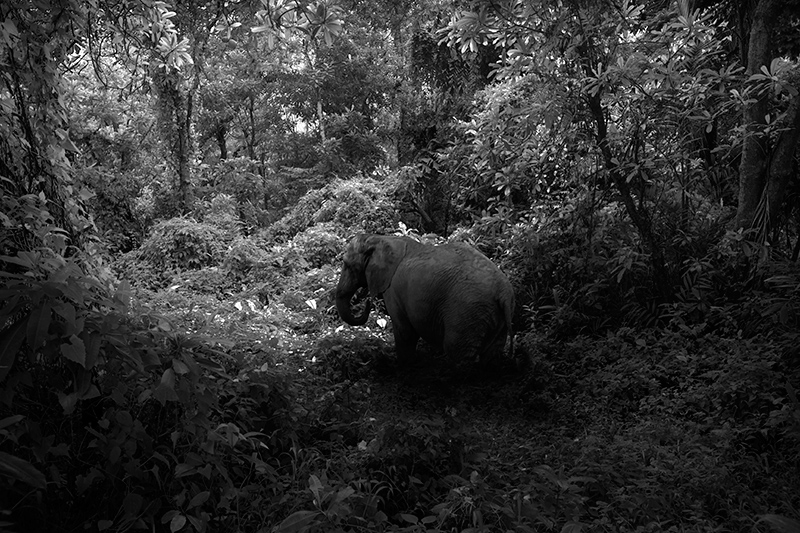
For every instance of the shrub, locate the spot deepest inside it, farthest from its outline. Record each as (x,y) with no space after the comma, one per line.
(209,280)
(361,204)
(243,255)
(292,183)
(250,264)
(425,194)
(408,465)
(159,200)
(222,213)
(667,422)
(347,356)
(112,206)
(298,218)
(183,243)
(351,146)
(111,419)
(241,179)
(28,224)
(319,244)
(563,276)
(337,506)
(287,260)
(141,273)
(578,265)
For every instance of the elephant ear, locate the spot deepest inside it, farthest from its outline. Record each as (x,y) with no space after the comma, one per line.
(386,254)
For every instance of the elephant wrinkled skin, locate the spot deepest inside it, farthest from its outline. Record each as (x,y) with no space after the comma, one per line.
(451,295)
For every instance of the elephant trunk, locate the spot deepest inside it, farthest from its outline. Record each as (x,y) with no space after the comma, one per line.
(344,292)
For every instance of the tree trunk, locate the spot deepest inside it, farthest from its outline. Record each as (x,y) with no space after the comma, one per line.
(753,169)
(662,279)
(174,105)
(781,167)
(640,218)
(251,137)
(184,120)
(220,136)
(320,118)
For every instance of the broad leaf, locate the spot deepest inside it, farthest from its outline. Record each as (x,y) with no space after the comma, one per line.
(24,259)
(92,342)
(39,324)
(74,350)
(177,523)
(21,470)
(68,401)
(781,523)
(10,341)
(298,521)
(316,488)
(10,420)
(199,499)
(165,392)
(410,518)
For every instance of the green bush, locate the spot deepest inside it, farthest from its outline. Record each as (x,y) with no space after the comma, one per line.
(240,178)
(578,266)
(403,468)
(348,356)
(141,273)
(425,194)
(562,284)
(319,244)
(351,146)
(222,213)
(300,217)
(113,208)
(159,200)
(112,419)
(357,205)
(208,280)
(334,505)
(287,260)
(183,243)
(244,255)
(671,422)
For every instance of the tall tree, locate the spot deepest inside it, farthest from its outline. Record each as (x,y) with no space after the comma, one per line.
(36,38)
(637,78)
(175,77)
(770,144)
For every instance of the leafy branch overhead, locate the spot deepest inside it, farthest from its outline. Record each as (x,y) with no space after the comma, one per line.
(312,19)
(172,52)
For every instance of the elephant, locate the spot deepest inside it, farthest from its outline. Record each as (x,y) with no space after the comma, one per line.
(450,295)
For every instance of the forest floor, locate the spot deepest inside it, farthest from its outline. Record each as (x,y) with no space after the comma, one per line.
(627,433)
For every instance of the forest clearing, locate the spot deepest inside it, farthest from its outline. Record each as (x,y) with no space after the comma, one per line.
(259,261)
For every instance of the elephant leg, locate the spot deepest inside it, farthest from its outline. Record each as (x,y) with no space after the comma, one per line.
(460,346)
(405,335)
(495,345)
(405,339)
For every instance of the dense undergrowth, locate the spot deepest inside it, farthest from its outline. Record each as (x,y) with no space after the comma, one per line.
(221,392)
(176,193)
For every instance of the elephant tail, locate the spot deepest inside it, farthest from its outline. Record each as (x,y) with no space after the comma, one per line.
(508,311)
(505,333)
(502,330)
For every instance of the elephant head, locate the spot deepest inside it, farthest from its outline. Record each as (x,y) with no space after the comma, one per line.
(369,261)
